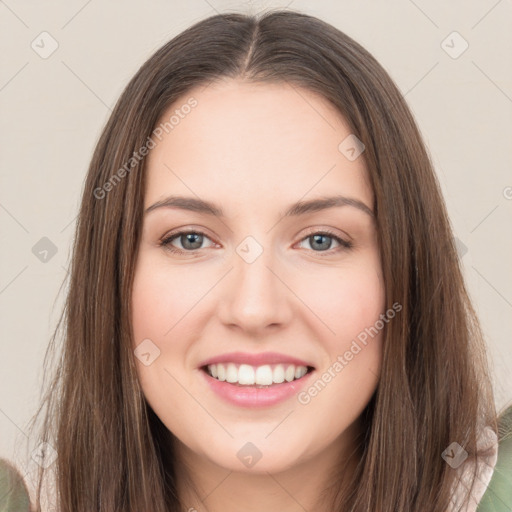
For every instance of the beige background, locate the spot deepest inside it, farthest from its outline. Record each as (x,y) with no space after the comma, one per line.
(53,109)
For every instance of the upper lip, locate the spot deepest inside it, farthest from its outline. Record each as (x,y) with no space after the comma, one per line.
(255,359)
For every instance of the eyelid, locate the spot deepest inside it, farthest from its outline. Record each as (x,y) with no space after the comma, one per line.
(329,231)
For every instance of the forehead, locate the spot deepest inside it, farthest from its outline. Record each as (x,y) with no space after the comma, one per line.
(251,144)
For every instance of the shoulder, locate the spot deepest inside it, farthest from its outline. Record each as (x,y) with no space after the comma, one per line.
(13,492)
(498,495)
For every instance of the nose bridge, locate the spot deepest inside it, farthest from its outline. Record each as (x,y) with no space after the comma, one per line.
(256,297)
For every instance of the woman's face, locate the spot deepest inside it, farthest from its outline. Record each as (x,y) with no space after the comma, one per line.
(255,284)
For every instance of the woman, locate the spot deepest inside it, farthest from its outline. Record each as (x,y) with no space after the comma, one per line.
(266,309)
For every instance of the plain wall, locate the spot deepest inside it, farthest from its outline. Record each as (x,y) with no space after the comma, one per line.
(54,108)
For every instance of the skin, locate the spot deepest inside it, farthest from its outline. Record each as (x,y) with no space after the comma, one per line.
(254,149)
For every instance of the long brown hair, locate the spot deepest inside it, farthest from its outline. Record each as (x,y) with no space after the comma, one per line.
(114,454)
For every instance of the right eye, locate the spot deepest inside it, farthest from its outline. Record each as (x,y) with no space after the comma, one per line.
(190,241)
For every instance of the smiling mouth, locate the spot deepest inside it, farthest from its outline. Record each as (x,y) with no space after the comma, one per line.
(264,376)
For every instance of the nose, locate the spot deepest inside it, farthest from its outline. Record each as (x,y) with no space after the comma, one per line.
(255,297)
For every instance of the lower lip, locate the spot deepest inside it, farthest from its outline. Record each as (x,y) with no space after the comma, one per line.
(252,396)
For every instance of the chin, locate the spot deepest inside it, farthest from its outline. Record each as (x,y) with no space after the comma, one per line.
(255,457)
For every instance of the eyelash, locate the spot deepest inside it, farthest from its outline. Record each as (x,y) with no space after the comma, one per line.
(165,242)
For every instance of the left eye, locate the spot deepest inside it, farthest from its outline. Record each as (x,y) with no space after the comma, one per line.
(193,240)
(323,239)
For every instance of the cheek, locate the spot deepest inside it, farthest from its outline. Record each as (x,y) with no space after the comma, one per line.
(350,304)
(346,301)
(353,304)
(162,298)
(159,308)
(150,304)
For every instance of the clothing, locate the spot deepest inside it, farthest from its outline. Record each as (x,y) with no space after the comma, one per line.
(498,496)
(13,493)
(488,440)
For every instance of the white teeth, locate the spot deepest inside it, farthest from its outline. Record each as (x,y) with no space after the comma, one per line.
(263,375)
(278,375)
(231,373)
(289,374)
(300,371)
(220,370)
(247,375)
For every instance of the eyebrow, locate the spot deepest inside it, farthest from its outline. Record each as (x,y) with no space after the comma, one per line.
(296,209)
